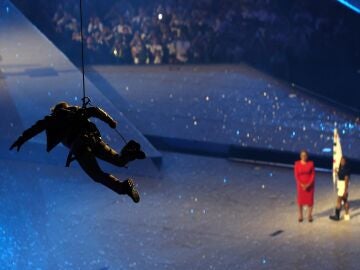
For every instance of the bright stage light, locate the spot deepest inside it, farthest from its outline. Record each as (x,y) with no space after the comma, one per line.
(350,4)
(160,16)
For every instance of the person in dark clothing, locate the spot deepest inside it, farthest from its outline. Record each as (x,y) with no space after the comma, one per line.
(342,190)
(71,126)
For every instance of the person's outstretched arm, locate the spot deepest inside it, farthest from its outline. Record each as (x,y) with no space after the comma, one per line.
(37,128)
(101,114)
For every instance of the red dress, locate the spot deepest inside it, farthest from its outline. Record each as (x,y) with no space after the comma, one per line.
(305,174)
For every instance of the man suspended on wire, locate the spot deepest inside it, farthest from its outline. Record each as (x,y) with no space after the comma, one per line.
(70,125)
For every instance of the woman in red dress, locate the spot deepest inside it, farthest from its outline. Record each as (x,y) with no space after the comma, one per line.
(305,182)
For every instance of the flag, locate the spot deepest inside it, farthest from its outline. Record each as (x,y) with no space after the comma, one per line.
(337,155)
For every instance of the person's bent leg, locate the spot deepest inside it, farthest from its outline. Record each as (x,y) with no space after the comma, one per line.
(106,153)
(89,164)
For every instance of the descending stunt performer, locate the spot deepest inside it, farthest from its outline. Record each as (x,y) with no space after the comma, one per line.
(70,125)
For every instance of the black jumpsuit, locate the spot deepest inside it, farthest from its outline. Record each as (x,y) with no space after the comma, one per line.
(71,127)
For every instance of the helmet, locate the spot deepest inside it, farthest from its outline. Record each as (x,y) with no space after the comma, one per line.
(60,105)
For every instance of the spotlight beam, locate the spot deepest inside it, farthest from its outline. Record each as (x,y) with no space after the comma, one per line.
(350,5)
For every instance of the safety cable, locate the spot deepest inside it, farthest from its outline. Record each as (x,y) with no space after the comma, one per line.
(86,100)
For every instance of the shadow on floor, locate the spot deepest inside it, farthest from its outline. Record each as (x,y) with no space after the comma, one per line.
(354,210)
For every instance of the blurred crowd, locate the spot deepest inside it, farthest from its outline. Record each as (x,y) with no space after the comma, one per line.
(199,31)
(147,33)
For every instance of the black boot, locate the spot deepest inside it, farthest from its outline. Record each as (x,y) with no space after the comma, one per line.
(132,151)
(132,146)
(132,192)
(336,217)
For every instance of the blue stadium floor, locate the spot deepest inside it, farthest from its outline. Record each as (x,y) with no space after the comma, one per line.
(196,213)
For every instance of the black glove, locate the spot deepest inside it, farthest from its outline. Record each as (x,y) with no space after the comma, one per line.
(18,143)
(113,124)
